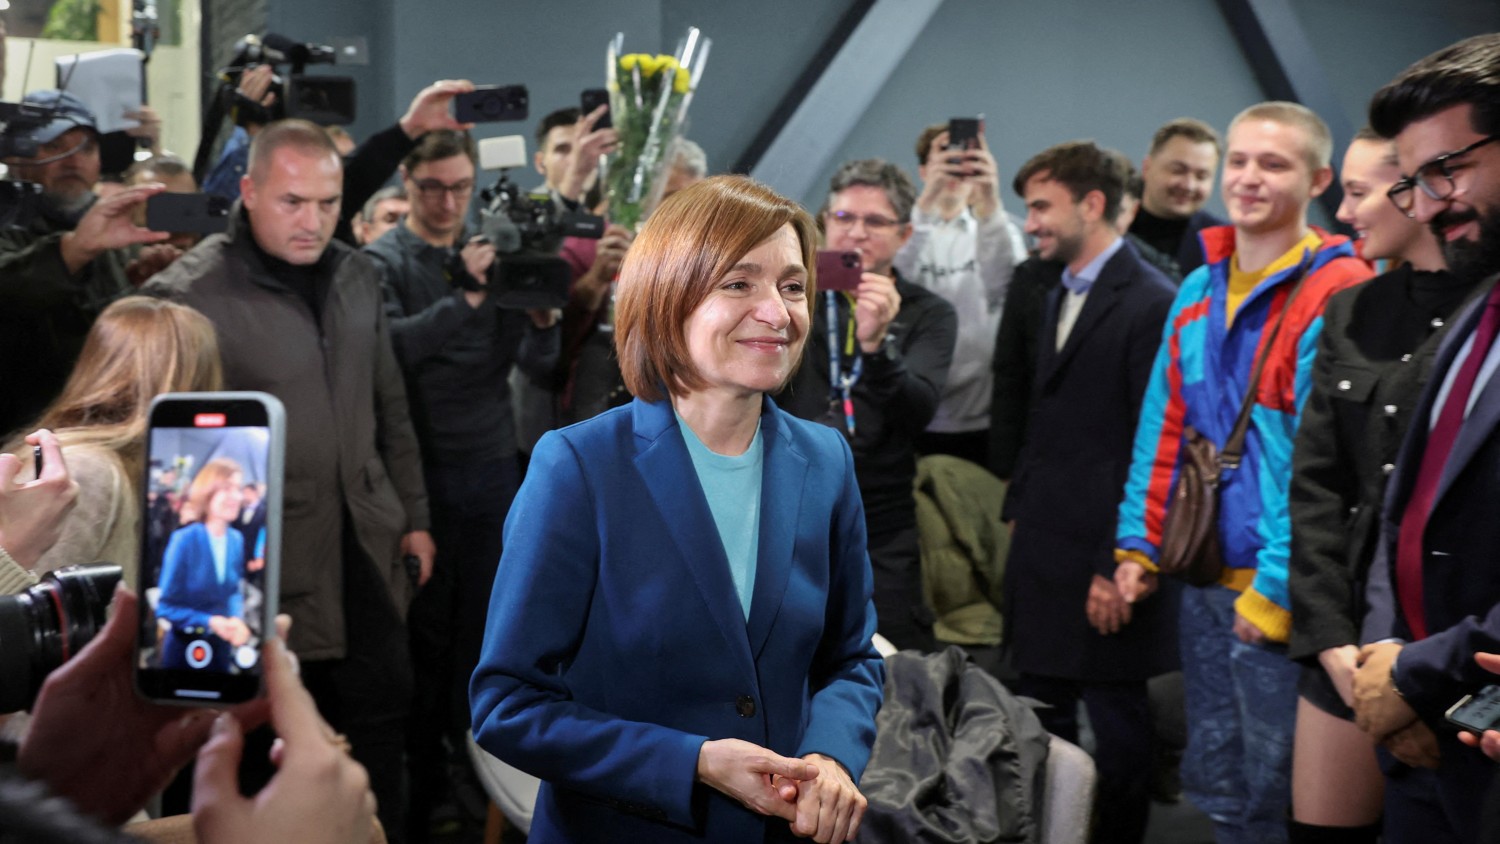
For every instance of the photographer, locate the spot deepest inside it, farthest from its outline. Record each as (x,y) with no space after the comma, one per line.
(32,514)
(456,349)
(567,153)
(366,170)
(67,264)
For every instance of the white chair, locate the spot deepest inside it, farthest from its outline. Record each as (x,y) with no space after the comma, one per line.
(1068,794)
(512,792)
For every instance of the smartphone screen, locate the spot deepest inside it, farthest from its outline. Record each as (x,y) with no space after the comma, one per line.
(210,545)
(1477,712)
(838,270)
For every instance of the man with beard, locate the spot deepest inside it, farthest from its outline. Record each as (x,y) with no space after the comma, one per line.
(65,265)
(1434,591)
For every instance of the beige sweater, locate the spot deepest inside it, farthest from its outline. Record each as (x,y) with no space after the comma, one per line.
(104,527)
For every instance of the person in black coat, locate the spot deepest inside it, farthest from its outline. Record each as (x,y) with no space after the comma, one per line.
(1375,354)
(1072,635)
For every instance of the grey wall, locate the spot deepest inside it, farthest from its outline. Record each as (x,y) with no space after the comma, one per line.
(1040,72)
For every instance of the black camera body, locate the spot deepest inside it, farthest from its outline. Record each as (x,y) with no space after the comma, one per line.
(325,100)
(48,624)
(20,201)
(526,230)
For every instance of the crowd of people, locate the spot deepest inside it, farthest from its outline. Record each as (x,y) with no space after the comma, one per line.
(639,544)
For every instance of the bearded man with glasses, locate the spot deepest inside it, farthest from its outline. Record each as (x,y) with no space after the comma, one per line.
(874,368)
(1434,591)
(457,350)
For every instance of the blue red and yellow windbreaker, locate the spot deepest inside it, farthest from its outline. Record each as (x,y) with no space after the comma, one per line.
(1202,370)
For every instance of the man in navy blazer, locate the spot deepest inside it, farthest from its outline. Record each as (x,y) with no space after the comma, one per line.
(1071,634)
(1434,591)
(624,541)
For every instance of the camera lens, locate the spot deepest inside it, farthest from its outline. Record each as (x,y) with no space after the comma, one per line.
(47,625)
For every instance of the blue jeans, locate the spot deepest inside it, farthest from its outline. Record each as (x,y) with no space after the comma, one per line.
(1241,713)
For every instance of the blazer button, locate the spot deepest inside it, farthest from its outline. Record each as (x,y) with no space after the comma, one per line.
(745,706)
(1406,358)
(1346,385)
(1387,468)
(1390,410)
(1437,322)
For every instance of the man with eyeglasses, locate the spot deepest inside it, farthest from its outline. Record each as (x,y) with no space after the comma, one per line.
(874,368)
(457,350)
(1434,591)
(62,267)
(382,212)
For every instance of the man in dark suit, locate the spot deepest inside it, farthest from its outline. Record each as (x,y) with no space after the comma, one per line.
(1434,591)
(1072,635)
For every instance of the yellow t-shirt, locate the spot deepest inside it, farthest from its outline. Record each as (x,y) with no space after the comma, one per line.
(1241,282)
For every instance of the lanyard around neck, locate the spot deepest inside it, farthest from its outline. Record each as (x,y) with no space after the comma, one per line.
(841,383)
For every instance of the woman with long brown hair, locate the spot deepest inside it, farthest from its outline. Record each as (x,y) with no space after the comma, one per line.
(139,348)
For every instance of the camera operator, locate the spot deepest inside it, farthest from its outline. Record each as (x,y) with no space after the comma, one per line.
(67,264)
(457,349)
(366,170)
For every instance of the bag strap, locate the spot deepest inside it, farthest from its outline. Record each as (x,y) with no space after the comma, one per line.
(1234,447)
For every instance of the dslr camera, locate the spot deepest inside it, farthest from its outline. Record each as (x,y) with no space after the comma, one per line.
(325,100)
(20,201)
(47,625)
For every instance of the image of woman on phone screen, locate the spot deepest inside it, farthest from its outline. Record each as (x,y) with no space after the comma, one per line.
(201,573)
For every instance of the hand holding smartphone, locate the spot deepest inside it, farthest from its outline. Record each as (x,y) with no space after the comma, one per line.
(210,545)
(1477,712)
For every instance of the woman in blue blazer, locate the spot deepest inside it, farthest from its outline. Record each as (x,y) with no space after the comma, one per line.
(200,575)
(678,641)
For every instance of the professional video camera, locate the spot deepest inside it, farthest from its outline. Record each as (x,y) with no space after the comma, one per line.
(325,100)
(527,229)
(19,201)
(47,625)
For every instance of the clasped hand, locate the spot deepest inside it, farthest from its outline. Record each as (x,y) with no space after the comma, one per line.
(814,794)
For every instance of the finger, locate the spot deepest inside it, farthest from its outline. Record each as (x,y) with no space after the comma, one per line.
(1468,738)
(278,751)
(806,823)
(293,713)
(1489,662)
(181,738)
(856,815)
(53,465)
(830,810)
(283,625)
(216,790)
(780,766)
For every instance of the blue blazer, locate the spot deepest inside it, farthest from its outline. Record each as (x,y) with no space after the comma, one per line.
(616,644)
(190,588)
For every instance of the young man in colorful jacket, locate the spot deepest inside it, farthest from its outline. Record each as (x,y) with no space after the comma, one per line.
(1241,688)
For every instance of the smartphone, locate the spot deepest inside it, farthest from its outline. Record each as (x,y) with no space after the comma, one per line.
(210,568)
(199,213)
(839,270)
(36,460)
(1477,712)
(591,99)
(963,132)
(492,103)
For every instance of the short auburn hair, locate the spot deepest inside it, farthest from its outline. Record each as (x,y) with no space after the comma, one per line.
(690,242)
(215,476)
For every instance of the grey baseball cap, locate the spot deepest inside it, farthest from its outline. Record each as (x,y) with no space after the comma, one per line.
(68,112)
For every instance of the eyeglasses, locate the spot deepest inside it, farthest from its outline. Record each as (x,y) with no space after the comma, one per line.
(873,222)
(433,189)
(1435,179)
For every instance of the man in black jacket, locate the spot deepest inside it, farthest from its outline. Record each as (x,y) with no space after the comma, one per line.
(874,368)
(300,316)
(456,349)
(1178,175)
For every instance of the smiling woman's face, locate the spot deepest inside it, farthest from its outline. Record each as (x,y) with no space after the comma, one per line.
(747,335)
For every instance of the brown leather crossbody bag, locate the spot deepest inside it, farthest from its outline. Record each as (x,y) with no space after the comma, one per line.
(1190,532)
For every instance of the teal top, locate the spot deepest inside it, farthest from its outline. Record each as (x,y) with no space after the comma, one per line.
(732,486)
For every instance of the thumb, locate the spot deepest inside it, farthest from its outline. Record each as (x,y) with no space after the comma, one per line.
(216,781)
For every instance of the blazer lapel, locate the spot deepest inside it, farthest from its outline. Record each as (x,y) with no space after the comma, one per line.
(1046,352)
(1102,298)
(780,511)
(668,473)
(1481,420)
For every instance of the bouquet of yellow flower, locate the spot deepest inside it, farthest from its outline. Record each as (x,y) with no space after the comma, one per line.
(648,103)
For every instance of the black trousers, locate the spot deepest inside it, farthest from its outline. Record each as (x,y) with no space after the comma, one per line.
(469,503)
(896,559)
(367,694)
(1120,714)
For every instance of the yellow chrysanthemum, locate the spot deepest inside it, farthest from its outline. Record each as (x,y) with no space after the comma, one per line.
(629,61)
(680,84)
